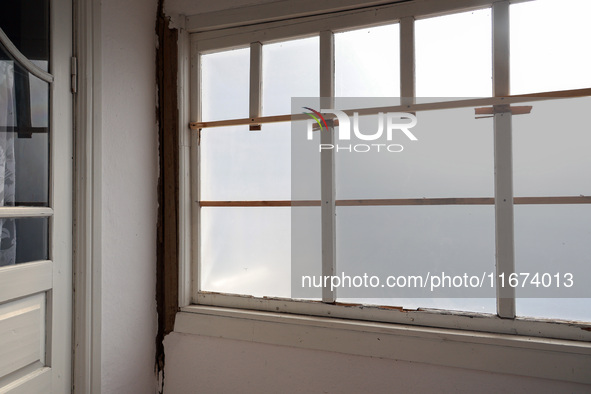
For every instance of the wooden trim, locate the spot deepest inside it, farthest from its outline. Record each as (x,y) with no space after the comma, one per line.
(402,201)
(480,102)
(517,110)
(277,203)
(552,200)
(417,201)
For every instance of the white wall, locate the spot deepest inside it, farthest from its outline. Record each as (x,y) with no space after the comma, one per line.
(129,202)
(213,365)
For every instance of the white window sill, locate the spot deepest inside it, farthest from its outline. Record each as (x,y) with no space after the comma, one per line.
(557,359)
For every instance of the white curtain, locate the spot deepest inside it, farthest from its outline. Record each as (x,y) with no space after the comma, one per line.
(7,162)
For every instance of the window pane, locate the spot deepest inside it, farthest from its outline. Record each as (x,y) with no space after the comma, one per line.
(237,164)
(225,84)
(23,240)
(306,250)
(452,157)
(453,55)
(26,23)
(32,149)
(24,136)
(551,149)
(32,171)
(290,69)
(246,251)
(305,159)
(412,241)
(549,45)
(367,62)
(550,240)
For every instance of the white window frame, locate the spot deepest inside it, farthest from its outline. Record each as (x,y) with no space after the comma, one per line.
(559,350)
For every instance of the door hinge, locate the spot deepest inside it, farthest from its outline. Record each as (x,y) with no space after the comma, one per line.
(74,74)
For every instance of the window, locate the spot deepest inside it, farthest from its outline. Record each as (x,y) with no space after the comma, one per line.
(491,198)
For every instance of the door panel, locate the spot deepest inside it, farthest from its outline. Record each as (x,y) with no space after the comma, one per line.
(35,197)
(22,333)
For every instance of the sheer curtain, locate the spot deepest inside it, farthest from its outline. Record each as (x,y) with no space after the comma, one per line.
(7,161)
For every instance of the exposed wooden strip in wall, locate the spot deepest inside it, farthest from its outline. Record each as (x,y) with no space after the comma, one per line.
(167,249)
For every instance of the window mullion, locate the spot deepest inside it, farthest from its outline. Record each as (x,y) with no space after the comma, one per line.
(256,78)
(327,171)
(407,60)
(503,156)
(195,113)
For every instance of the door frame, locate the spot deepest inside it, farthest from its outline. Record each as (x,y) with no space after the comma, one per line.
(86,320)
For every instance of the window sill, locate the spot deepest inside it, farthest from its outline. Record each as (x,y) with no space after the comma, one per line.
(556,359)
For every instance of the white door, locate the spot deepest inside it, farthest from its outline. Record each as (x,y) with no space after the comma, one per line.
(35,196)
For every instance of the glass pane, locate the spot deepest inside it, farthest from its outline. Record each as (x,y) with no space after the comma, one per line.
(225,85)
(305,159)
(290,69)
(452,157)
(553,242)
(24,136)
(453,55)
(237,164)
(549,45)
(246,251)
(551,149)
(26,23)
(306,251)
(23,240)
(367,62)
(411,241)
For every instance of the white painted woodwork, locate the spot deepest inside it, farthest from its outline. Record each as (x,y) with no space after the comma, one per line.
(38,381)
(407,60)
(87,295)
(22,333)
(425,317)
(284,9)
(327,163)
(19,280)
(274,11)
(185,138)
(256,83)
(25,212)
(22,59)
(529,356)
(307,26)
(503,151)
(36,297)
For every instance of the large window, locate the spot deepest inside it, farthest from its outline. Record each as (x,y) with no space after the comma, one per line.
(482,209)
